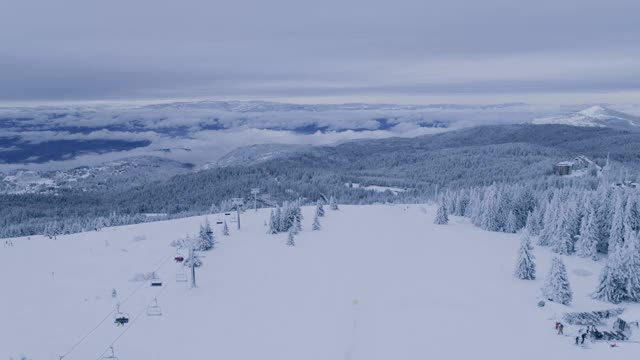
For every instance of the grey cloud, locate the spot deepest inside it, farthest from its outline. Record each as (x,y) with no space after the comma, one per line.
(160,49)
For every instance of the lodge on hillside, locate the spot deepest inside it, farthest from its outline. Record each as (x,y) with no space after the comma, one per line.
(563,168)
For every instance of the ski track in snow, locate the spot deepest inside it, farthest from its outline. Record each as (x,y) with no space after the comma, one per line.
(418,290)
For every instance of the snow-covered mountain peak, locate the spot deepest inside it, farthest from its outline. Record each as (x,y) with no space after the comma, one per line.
(597,111)
(593,116)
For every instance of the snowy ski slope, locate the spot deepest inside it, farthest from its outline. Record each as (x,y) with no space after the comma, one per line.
(377,282)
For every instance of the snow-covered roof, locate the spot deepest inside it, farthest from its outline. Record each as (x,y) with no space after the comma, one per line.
(565,163)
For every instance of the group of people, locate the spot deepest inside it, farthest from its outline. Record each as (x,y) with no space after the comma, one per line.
(8,243)
(582,333)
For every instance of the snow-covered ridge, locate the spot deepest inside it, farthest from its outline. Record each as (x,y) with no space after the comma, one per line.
(594,116)
(253,154)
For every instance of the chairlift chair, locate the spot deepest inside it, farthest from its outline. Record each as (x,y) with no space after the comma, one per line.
(154,309)
(156,281)
(120,318)
(219,220)
(110,354)
(179,257)
(181,277)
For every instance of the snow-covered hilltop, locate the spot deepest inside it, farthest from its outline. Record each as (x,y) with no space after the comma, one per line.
(594,116)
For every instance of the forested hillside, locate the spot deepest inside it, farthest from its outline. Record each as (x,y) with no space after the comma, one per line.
(470,157)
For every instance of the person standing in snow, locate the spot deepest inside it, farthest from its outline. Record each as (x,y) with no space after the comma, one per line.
(560,329)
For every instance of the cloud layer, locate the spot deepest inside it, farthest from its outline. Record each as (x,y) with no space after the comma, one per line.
(201,132)
(292,49)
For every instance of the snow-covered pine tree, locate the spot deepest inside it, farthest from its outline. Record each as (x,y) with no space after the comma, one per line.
(442,217)
(632,213)
(206,240)
(571,220)
(273,223)
(534,221)
(290,211)
(333,204)
(225,228)
(556,286)
(491,212)
(511,225)
(316,223)
(616,234)
(462,202)
(291,238)
(197,262)
(612,284)
(297,224)
(449,200)
(562,242)
(527,238)
(280,224)
(587,245)
(604,212)
(525,264)
(549,222)
(319,209)
(474,209)
(298,210)
(631,261)
(529,227)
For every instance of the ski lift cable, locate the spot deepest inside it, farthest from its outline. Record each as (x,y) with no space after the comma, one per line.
(83,338)
(135,320)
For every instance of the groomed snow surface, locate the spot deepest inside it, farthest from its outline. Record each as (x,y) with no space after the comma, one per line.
(377,282)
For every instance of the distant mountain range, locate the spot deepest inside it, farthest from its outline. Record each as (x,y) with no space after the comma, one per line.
(594,116)
(202,132)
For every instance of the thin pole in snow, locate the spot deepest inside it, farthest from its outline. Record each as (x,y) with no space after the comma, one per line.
(193,268)
(354,327)
(238,202)
(255,192)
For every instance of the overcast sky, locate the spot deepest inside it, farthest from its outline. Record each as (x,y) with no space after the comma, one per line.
(330,50)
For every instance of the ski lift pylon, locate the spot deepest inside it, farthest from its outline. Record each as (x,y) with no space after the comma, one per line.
(154,309)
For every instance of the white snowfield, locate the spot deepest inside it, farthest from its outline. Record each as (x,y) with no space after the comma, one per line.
(377,282)
(377,188)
